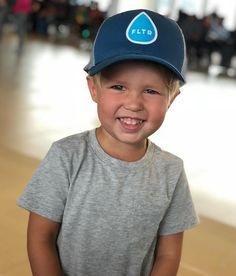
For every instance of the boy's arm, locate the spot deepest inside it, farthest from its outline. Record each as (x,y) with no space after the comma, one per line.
(41,245)
(168,255)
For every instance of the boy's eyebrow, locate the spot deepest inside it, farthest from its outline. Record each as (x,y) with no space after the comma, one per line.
(116,81)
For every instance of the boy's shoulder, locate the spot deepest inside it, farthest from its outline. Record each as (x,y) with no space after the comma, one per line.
(74,142)
(74,138)
(167,155)
(167,158)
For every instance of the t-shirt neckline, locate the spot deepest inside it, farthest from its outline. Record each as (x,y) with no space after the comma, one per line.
(114,162)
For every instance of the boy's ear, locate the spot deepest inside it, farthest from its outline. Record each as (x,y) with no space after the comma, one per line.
(92,88)
(173,97)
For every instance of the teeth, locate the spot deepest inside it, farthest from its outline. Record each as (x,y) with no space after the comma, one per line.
(131,121)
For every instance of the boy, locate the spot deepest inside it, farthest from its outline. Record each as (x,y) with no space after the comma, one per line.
(109,202)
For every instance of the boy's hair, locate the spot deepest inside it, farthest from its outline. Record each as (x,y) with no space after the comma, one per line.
(139,35)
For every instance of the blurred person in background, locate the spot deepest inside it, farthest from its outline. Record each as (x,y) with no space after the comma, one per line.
(21,9)
(219,39)
(3,15)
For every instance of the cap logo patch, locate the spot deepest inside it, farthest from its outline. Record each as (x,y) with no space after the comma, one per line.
(142,30)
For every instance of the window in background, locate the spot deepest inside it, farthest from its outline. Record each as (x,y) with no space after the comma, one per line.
(226,9)
(172,7)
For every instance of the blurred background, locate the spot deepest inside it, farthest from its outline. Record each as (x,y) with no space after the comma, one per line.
(43,97)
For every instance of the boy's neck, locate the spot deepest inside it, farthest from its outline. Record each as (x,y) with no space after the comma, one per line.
(121,151)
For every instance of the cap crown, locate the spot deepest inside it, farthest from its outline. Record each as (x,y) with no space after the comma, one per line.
(139,34)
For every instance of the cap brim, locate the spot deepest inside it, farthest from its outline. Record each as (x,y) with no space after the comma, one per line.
(92,70)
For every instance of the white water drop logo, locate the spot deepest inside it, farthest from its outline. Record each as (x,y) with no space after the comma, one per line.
(142,30)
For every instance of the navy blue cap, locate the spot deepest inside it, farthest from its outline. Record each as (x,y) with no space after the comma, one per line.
(139,35)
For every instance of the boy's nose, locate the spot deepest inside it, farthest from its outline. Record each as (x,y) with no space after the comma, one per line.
(133,101)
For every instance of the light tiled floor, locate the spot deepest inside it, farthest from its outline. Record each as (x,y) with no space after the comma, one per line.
(43,97)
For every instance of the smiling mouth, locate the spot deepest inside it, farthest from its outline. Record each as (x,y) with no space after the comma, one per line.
(131,121)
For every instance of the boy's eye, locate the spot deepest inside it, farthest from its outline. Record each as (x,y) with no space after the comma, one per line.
(151,91)
(118,87)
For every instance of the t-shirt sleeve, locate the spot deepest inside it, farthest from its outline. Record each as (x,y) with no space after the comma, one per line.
(181,214)
(46,193)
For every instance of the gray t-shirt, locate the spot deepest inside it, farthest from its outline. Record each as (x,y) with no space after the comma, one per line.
(111,211)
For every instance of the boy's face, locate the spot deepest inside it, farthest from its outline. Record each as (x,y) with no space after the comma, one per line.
(132,101)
